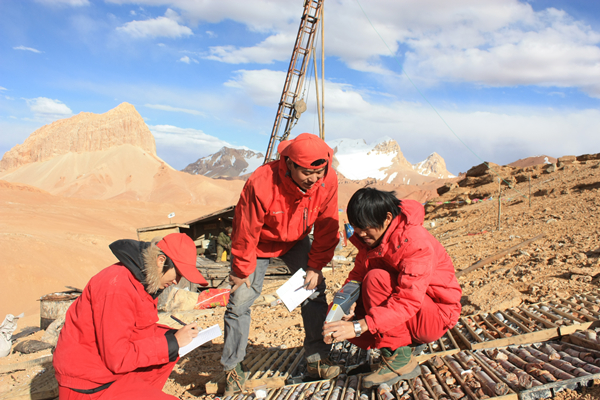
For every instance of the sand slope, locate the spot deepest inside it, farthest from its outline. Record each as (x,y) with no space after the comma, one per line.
(123,172)
(48,241)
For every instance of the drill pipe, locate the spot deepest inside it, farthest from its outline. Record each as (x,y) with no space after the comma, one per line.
(432,380)
(557,373)
(351,388)
(552,353)
(579,363)
(510,377)
(491,387)
(339,386)
(385,392)
(420,391)
(467,377)
(560,364)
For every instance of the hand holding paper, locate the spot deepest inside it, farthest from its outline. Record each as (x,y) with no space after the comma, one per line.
(203,336)
(294,292)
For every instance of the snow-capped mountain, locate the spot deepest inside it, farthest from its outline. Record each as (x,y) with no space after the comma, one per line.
(383,160)
(227,162)
(354,159)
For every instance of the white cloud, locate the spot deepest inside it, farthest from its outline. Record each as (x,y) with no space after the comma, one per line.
(186,140)
(274,48)
(262,16)
(493,43)
(75,3)
(167,26)
(262,86)
(501,135)
(132,12)
(211,34)
(187,60)
(48,109)
(26,49)
(3,88)
(174,109)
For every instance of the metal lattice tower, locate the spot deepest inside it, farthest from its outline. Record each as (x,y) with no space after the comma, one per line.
(290,105)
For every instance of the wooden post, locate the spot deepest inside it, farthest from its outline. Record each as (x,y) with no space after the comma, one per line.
(499,200)
(497,256)
(321,133)
(530,190)
(323,70)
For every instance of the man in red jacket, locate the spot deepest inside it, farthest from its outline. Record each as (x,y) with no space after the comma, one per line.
(111,346)
(409,292)
(278,207)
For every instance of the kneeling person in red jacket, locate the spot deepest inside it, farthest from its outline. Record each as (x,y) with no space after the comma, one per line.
(409,293)
(111,346)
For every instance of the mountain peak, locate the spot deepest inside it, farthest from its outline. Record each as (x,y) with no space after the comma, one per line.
(84,132)
(227,162)
(383,160)
(434,166)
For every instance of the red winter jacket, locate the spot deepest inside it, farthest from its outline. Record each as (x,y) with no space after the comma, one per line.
(423,265)
(111,329)
(273,214)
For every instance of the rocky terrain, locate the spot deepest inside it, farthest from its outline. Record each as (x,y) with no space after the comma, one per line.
(564,208)
(56,224)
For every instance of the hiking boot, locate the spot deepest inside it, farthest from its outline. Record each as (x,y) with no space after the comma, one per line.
(395,366)
(417,349)
(323,369)
(235,381)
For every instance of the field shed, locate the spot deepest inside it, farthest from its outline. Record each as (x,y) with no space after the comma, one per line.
(210,224)
(149,233)
(202,230)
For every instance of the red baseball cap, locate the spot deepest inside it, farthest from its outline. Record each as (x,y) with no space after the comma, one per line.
(180,248)
(305,149)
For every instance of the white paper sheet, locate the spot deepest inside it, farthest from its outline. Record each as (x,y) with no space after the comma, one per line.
(292,293)
(204,336)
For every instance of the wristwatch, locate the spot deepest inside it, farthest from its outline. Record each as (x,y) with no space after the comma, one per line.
(357,328)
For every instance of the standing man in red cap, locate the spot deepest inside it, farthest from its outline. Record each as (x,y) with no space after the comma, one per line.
(111,346)
(278,207)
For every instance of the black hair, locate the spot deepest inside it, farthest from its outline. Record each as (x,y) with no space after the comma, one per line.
(368,208)
(168,265)
(316,163)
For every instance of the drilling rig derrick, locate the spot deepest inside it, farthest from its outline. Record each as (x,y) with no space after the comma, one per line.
(291,104)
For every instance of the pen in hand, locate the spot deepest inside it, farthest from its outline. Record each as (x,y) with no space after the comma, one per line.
(302,287)
(179,321)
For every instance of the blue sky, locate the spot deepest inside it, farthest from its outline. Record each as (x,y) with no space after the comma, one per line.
(472,80)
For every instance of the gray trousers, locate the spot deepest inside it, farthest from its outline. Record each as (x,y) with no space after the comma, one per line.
(237,316)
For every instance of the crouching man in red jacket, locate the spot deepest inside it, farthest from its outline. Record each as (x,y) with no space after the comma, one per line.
(409,292)
(111,346)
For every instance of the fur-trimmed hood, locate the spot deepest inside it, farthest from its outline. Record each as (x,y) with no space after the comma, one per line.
(140,259)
